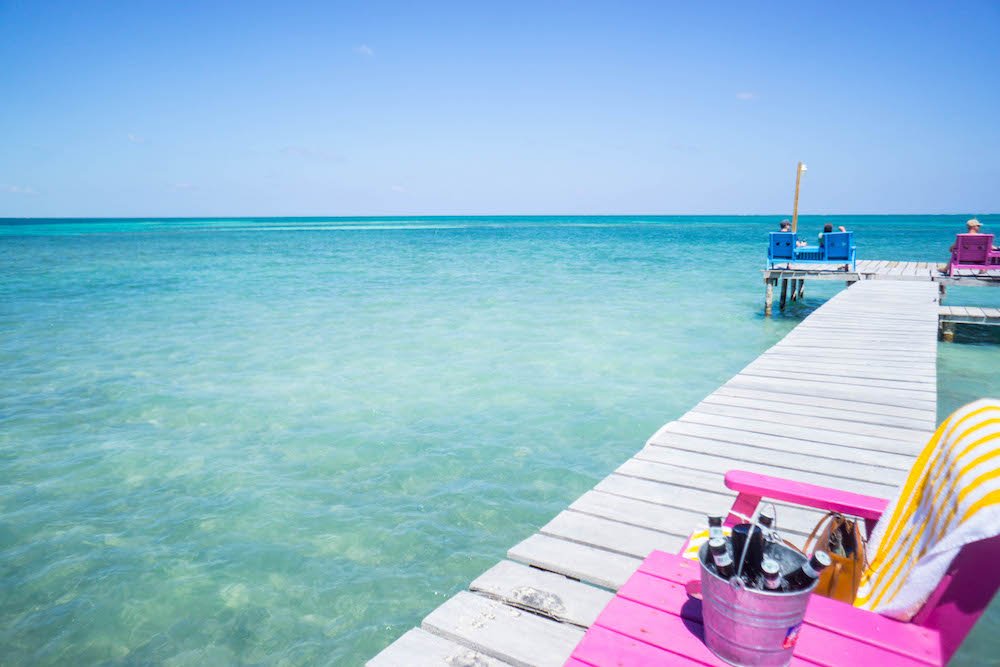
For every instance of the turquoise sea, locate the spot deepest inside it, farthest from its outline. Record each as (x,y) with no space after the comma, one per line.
(285,441)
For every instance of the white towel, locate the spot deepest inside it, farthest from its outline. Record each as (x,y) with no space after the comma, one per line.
(951,497)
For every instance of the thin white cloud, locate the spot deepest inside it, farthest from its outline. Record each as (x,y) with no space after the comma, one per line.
(136,139)
(746,96)
(397,188)
(17,189)
(364,50)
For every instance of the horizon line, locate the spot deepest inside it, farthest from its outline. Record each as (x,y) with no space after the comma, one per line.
(481,215)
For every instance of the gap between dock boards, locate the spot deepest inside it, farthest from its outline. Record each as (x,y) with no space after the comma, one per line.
(846,399)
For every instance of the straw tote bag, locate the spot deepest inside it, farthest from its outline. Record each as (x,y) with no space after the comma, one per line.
(843,539)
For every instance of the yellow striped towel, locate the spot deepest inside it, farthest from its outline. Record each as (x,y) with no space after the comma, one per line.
(950,498)
(698,538)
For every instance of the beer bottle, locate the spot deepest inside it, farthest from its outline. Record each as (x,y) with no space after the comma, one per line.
(720,556)
(804,576)
(770,575)
(753,538)
(714,527)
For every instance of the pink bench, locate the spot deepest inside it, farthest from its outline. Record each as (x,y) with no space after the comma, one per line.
(653,621)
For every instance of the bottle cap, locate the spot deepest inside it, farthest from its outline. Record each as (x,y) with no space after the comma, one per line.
(765,518)
(717,544)
(770,567)
(819,560)
(714,521)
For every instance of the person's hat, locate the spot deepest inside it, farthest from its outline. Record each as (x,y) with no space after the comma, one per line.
(973,223)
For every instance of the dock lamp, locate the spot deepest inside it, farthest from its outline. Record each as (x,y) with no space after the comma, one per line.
(795,206)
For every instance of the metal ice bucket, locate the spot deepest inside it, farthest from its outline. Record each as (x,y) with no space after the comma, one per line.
(749,627)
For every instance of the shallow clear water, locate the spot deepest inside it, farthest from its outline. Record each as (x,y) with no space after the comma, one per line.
(287,440)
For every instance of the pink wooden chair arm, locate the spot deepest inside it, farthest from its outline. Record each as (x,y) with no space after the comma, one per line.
(752,487)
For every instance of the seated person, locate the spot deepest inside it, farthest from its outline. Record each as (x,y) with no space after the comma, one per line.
(786,226)
(828,228)
(972,226)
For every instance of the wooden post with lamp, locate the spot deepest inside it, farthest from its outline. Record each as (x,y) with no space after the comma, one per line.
(795,206)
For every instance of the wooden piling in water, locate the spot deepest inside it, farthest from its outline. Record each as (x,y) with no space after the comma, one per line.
(784,293)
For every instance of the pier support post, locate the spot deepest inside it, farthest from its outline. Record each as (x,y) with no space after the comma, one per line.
(795,289)
(784,293)
(947,334)
(802,288)
(768,296)
(941,292)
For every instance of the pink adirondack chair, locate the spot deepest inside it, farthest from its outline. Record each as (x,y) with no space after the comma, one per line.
(957,602)
(972,251)
(653,621)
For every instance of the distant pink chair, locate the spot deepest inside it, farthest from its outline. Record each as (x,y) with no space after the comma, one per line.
(652,620)
(973,251)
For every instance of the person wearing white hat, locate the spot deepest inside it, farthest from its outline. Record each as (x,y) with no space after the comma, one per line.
(972,226)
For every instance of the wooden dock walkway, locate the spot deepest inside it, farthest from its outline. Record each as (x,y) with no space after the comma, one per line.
(846,399)
(969,315)
(794,276)
(879,269)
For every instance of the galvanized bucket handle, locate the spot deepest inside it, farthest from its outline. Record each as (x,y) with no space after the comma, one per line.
(770,534)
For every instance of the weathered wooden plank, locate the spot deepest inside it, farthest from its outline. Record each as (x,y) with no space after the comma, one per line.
(846,379)
(903,329)
(781,404)
(419,648)
(795,439)
(614,536)
(841,338)
(833,332)
(828,358)
(501,631)
(876,356)
(887,397)
(663,518)
(867,371)
(684,447)
(597,566)
(844,427)
(792,518)
(841,343)
(699,455)
(918,394)
(858,320)
(918,418)
(543,593)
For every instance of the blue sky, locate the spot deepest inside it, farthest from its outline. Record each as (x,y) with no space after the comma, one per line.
(355,108)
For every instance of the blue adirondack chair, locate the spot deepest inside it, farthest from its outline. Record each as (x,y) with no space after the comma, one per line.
(839,248)
(780,248)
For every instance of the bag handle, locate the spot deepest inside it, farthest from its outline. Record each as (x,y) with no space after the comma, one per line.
(834,519)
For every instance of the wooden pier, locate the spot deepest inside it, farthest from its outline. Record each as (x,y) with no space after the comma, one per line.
(950,316)
(846,399)
(794,276)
